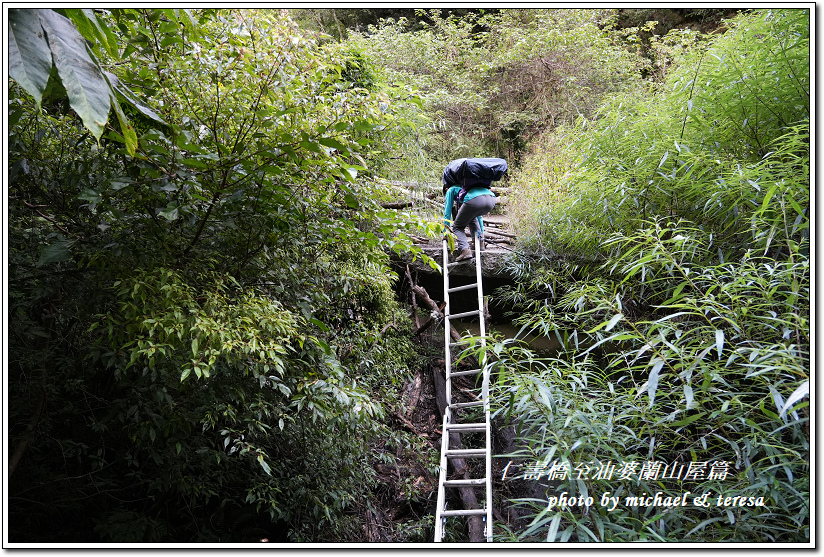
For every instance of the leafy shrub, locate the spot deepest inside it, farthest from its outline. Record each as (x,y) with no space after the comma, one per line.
(179,358)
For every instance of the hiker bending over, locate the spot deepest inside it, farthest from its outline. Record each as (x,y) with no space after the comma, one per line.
(476,202)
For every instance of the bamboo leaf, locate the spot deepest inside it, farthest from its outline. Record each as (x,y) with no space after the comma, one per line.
(553,528)
(800,392)
(688,420)
(615,319)
(652,387)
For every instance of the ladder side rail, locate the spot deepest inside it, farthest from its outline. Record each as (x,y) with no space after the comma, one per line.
(484,386)
(439,520)
(446,324)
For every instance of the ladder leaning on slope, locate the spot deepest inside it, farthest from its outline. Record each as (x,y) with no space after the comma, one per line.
(451,421)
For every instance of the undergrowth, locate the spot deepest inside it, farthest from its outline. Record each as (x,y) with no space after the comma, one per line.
(673,265)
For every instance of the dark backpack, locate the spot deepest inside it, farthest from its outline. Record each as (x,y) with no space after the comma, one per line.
(472,173)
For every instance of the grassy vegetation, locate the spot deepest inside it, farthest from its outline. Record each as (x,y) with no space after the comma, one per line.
(672,234)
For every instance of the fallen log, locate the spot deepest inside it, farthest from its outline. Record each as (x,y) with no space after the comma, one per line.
(398,205)
(499,240)
(412,394)
(499,232)
(430,304)
(417,197)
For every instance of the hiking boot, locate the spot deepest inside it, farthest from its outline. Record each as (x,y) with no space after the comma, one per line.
(465,254)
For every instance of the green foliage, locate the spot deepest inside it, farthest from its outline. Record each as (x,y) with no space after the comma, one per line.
(201,307)
(658,156)
(491,81)
(674,269)
(42,41)
(703,375)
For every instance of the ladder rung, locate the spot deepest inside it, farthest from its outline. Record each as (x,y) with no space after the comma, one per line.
(459,483)
(463,512)
(467,404)
(470,430)
(466,427)
(458,453)
(464,287)
(464,314)
(468,372)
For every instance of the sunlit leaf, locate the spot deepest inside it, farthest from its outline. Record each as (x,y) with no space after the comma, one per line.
(800,392)
(719,342)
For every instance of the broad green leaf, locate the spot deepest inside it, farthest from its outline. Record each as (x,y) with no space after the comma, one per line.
(85,85)
(169,213)
(312,146)
(319,324)
(89,26)
(264,465)
(105,35)
(194,163)
(334,144)
(350,174)
(56,252)
(30,59)
(90,195)
(351,201)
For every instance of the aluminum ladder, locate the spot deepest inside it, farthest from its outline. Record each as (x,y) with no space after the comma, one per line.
(451,421)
